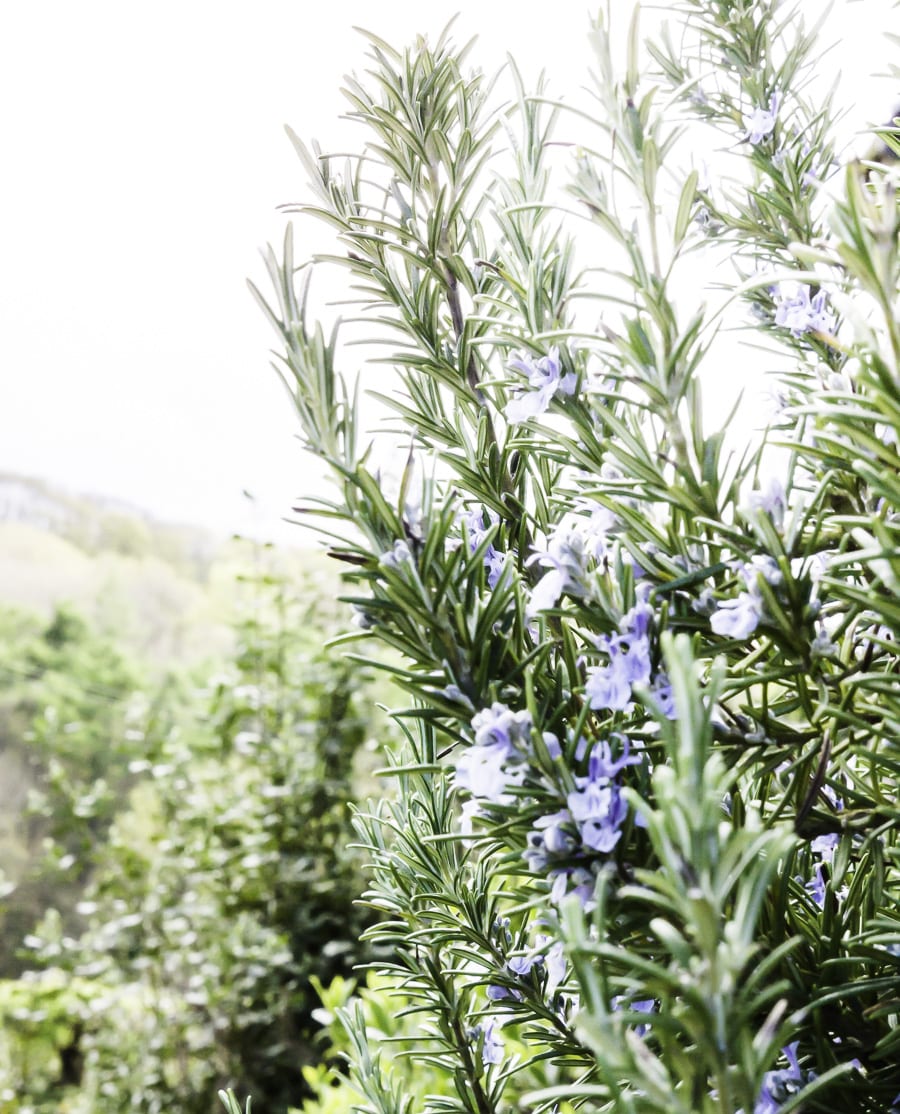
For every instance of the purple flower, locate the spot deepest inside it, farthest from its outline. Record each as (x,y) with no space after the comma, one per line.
(498,993)
(577,882)
(824,847)
(764,566)
(491,1044)
(395,556)
(737,618)
(771,500)
(596,805)
(661,691)
(761,122)
(554,750)
(545,378)
(499,725)
(483,772)
(555,963)
(609,686)
(577,545)
(594,809)
(602,767)
(600,830)
(797,313)
(551,835)
(488,769)
(494,562)
(521,964)
(477,532)
(779,1086)
(645,1005)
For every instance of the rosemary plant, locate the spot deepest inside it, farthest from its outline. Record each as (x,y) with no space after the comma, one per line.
(643,853)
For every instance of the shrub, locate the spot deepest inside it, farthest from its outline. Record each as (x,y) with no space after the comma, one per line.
(646,818)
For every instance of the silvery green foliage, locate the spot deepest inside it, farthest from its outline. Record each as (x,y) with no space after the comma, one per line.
(644,851)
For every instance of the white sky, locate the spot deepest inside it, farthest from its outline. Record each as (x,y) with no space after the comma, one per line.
(143,157)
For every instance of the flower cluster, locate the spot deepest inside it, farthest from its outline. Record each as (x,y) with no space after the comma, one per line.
(590,824)
(577,546)
(797,312)
(551,962)
(610,686)
(545,378)
(497,761)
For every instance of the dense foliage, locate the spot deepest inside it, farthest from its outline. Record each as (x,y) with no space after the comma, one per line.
(67,736)
(220,890)
(643,856)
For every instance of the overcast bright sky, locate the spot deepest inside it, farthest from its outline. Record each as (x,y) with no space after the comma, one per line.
(143,160)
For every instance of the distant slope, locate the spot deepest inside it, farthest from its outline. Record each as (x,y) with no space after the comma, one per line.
(166,592)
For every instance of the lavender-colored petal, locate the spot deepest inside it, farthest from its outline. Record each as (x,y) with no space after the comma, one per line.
(530,404)
(737,618)
(607,687)
(546,592)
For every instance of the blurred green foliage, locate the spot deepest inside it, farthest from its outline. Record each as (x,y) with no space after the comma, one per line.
(188,871)
(69,706)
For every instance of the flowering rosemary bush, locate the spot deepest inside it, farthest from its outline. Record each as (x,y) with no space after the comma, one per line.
(646,820)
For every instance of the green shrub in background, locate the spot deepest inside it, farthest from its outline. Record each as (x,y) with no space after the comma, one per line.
(71,719)
(225,886)
(645,838)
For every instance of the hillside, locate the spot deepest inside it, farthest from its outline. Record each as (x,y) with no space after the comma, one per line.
(164,591)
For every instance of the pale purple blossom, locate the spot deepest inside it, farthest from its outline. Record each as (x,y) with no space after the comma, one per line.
(485,773)
(554,750)
(593,818)
(599,811)
(779,1086)
(554,834)
(555,964)
(771,500)
(607,686)
(822,645)
(521,965)
(576,882)
(491,1044)
(762,565)
(761,122)
(495,763)
(499,724)
(578,544)
(801,314)
(737,618)
(643,1005)
(550,960)
(661,691)
(596,806)
(397,555)
(823,847)
(477,531)
(545,379)
(610,686)
(498,993)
